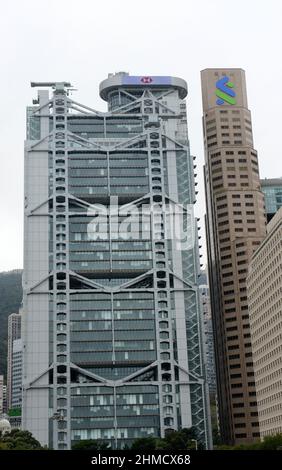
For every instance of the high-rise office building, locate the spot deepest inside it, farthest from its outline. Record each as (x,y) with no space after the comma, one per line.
(235,227)
(17,374)
(14,332)
(272,190)
(208,332)
(16,390)
(112,339)
(5,408)
(1,394)
(264,285)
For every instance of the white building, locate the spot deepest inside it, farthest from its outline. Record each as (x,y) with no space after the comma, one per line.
(112,338)
(14,332)
(1,394)
(265,306)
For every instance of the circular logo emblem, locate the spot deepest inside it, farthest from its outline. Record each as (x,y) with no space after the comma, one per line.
(146,79)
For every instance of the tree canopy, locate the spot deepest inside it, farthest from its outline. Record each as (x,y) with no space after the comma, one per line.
(90,444)
(19,440)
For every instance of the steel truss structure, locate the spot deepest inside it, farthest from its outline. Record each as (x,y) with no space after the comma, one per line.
(173,369)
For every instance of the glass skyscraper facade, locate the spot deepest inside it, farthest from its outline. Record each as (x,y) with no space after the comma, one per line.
(112,335)
(272,190)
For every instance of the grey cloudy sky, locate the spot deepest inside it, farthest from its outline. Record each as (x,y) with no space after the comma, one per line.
(82,41)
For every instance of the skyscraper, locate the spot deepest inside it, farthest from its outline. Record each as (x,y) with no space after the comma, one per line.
(272,190)
(235,227)
(16,390)
(1,394)
(264,284)
(112,338)
(14,332)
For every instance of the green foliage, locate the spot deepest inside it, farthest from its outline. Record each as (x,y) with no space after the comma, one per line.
(144,444)
(90,444)
(180,440)
(176,440)
(272,442)
(19,440)
(269,443)
(10,301)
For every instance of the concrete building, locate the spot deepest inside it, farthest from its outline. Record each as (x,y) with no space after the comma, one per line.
(265,308)
(112,338)
(272,190)
(14,332)
(5,407)
(235,226)
(17,374)
(208,332)
(1,394)
(16,391)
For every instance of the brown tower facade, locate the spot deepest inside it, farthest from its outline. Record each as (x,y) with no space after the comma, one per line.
(235,225)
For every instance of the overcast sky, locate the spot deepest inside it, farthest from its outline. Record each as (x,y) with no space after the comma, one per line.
(82,41)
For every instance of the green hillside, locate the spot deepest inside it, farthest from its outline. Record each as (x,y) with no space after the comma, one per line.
(10,301)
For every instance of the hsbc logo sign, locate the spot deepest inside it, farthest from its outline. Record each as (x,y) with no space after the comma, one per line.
(142,80)
(146,80)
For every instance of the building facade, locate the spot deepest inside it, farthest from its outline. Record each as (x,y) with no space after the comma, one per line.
(16,391)
(17,374)
(265,307)
(272,190)
(208,332)
(14,332)
(1,394)
(112,334)
(235,227)
(5,408)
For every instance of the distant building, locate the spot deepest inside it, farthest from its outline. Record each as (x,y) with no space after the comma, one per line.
(1,394)
(17,374)
(14,332)
(16,396)
(272,190)
(265,307)
(208,332)
(4,398)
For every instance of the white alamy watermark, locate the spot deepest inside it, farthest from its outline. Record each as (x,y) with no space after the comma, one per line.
(154,222)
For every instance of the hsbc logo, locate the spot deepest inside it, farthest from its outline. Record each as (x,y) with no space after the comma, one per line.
(146,80)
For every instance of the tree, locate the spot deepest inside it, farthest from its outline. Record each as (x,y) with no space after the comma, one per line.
(272,442)
(176,440)
(90,444)
(19,440)
(180,440)
(269,443)
(144,444)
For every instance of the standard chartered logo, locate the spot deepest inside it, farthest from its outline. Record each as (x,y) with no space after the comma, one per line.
(224,91)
